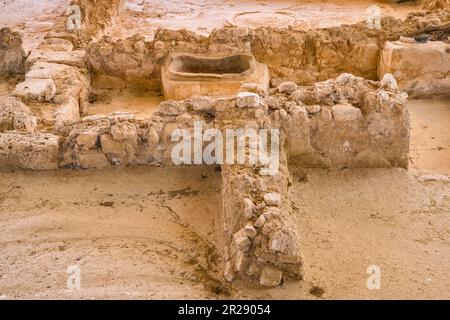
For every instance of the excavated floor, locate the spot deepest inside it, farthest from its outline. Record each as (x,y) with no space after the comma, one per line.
(148,232)
(140,103)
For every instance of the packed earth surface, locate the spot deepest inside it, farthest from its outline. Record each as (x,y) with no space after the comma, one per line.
(86,181)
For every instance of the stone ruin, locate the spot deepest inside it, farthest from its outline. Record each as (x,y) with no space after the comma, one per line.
(338,96)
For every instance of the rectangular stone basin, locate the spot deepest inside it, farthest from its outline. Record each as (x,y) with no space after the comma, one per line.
(186,75)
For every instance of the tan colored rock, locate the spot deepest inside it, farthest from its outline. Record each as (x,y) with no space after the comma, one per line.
(71,58)
(111,146)
(279,241)
(36,151)
(250,230)
(437,5)
(259,223)
(12,54)
(39,90)
(241,262)
(108,82)
(153,136)
(93,160)
(14,115)
(172,108)
(287,87)
(56,44)
(88,139)
(272,199)
(122,131)
(247,100)
(229,271)
(202,103)
(248,208)
(46,70)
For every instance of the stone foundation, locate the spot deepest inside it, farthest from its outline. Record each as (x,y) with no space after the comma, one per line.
(326,116)
(12,55)
(421,69)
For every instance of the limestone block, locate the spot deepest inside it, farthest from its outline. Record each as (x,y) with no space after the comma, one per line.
(272,199)
(39,90)
(287,87)
(346,113)
(14,115)
(389,83)
(56,44)
(171,108)
(280,241)
(202,103)
(45,70)
(242,241)
(72,58)
(108,82)
(122,131)
(248,208)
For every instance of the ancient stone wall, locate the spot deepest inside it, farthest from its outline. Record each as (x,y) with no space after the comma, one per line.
(12,55)
(96,15)
(421,69)
(300,56)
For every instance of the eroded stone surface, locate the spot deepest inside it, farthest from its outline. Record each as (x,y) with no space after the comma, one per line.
(37,151)
(421,69)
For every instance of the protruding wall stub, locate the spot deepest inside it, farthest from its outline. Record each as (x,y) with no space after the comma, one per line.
(345,122)
(35,151)
(421,69)
(259,245)
(186,75)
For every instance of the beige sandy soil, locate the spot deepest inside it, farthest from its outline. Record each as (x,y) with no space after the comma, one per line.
(148,232)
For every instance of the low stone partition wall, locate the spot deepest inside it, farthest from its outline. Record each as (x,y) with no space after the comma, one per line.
(343,122)
(421,69)
(35,151)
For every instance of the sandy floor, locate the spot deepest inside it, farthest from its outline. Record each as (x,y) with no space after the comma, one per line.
(141,103)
